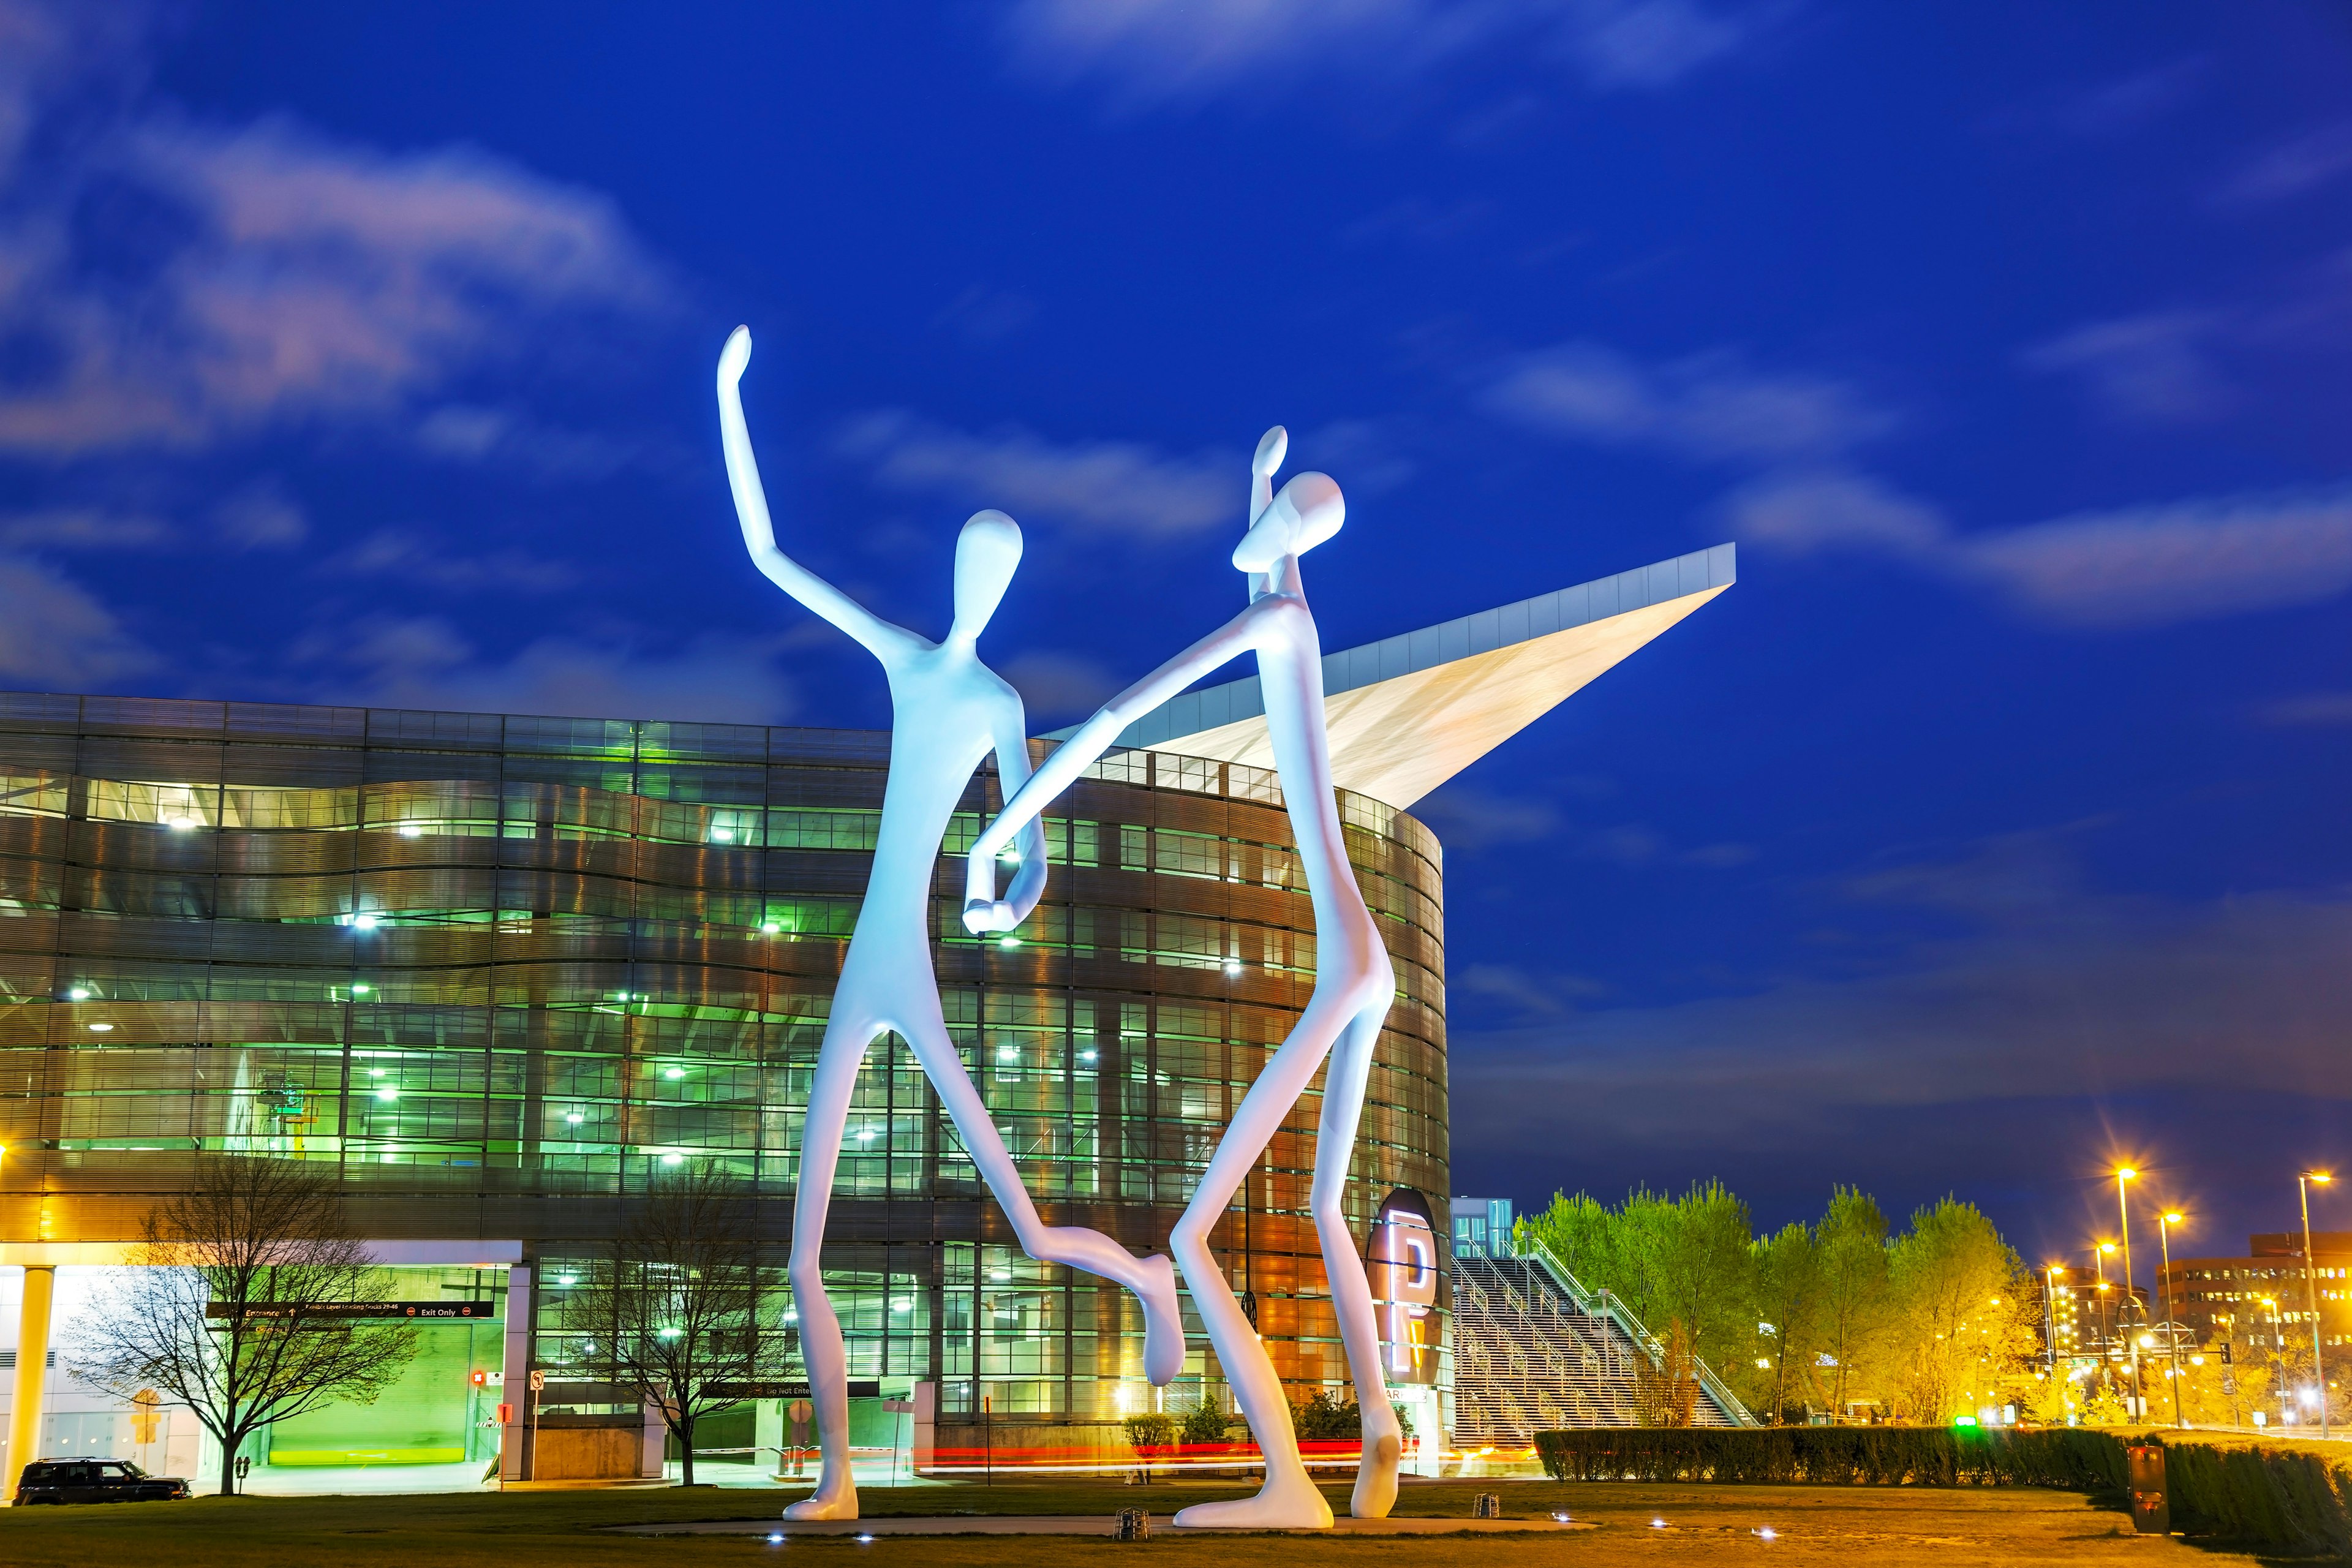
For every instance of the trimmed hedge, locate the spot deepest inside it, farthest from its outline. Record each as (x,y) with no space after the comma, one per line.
(2275,1499)
(2067,1458)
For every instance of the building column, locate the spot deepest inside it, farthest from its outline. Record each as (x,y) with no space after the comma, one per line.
(32,1373)
(514,1378)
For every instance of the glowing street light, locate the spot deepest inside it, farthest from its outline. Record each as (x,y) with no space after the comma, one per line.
(2318,1374)
(2125,1173)
(2165,1221)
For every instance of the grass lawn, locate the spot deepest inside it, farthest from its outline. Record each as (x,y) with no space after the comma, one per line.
(1847,1525)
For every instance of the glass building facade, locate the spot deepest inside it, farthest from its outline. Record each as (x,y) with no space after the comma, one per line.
(499,972)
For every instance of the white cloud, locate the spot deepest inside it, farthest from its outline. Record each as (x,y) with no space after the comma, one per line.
(1709,406)
(427,663)
(84,528)
(2313,709)
(415,558)
(54,634)
(1104,486)
(1154,52)
(268,273)
(2149,369)
(261,516)
(2292,167)
(2132,567)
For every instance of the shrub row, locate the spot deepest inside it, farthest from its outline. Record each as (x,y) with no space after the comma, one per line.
(2067,1458)
(2273,1498)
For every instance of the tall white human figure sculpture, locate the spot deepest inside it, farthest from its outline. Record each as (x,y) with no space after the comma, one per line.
(949,710)
(1354,985)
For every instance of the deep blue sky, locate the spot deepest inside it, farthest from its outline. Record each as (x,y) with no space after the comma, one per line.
(1994,823)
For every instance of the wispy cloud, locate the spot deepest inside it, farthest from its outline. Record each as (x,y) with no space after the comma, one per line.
(2053,989)
(2292,167)
(2310,709)
(2149,369)
(424,662)
(2133,566)
(173,283)
(85,528)
(1100,487)
(1709,406)
(415,557)
(55,636)
(1148,53)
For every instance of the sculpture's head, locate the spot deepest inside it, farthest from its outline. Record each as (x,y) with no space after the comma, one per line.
(1308,511)
(986,552)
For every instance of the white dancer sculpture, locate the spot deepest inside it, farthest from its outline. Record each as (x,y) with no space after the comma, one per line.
(1354,985)
(948,712)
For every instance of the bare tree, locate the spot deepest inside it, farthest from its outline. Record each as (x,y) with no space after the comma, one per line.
(675,1312)
(245,1306)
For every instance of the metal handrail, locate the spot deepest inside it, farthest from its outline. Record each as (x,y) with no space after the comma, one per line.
(1610,1306)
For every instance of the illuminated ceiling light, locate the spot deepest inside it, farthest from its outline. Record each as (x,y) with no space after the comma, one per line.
(1233,966)
(376,1072)
(361,988)
(78,994)
(388,1093)
(410,830)
(1009,942)
(1008,1054)
(101,1028)
(364,923)
(866,1136)
(574,1118)
(182,823)
(770,929)
(672,1159)
(1085,1056)
(722,836)
(1000,1274)
(673,1072)
(568,1279)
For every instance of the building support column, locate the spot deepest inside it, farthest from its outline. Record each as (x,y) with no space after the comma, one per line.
(514,1378)
(24,1411)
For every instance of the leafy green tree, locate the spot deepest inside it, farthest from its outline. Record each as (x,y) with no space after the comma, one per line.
(1849,1243)
(1957,1288)
(1788,1294)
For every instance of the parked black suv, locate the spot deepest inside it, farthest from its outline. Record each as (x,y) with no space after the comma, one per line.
(94,1481)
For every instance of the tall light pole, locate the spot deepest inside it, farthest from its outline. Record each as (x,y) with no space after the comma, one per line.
(2164,1224)
(2050,1284)
(2123,1208)
(2311,1287)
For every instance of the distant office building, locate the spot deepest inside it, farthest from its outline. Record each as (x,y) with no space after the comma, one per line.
(2262,1300)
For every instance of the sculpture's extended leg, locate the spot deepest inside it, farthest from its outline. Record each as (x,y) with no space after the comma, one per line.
(1351,1296)
(1152,1279)
(837,1063)
(1289,1499)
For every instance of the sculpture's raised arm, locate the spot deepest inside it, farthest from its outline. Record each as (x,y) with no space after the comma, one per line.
(880,637)
(1012,777)
(982,911)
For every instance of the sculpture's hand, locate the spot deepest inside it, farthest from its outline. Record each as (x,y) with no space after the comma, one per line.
(982,916)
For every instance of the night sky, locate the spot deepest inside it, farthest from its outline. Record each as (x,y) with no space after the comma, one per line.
(1993,825)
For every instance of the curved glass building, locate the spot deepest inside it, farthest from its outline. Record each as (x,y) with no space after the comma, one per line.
(499,972)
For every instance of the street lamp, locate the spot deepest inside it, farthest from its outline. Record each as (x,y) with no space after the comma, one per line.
(2123,1208)
(2318,1374)
(2050,1280)
(2165,1221)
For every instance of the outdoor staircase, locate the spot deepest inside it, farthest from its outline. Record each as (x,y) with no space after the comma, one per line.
(1534,1351)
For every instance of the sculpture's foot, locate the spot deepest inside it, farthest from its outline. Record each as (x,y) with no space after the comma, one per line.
(836,1502)
(1163,1320)
(1375,1477)
(1288,1501)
